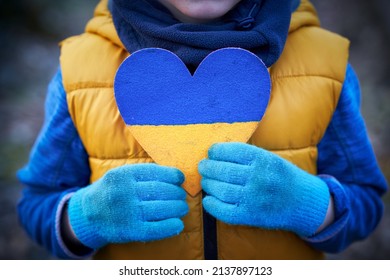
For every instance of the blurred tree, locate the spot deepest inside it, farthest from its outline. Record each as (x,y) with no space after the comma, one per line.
(29,36)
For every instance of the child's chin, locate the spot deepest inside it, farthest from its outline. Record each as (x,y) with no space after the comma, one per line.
(205,10)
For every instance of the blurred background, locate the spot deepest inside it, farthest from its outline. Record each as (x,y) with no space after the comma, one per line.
(29,35)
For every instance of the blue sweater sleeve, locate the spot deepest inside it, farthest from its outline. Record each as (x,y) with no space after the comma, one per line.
(58,164)
(348,165)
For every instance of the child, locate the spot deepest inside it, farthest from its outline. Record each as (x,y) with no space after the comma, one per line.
(306,183)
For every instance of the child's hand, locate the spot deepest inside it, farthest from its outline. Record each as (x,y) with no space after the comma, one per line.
(140,202)
(247,185)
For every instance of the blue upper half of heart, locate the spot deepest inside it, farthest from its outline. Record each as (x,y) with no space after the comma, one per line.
(154,87)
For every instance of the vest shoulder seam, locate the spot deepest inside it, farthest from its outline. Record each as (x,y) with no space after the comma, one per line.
(118,158)
(88,85)
(305,76)
(293,148)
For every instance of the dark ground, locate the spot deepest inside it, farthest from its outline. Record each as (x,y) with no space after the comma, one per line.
(29,36)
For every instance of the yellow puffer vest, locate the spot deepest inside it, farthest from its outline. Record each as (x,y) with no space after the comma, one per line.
(306,83)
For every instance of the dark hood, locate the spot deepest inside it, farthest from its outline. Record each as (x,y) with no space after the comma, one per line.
(260,26)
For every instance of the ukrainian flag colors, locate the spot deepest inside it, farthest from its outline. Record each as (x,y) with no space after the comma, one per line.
(176,116)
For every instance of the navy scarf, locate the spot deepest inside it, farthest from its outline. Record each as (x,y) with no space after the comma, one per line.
(260,26)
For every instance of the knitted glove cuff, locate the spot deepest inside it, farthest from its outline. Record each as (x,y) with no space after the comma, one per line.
(83,228)
(312,211)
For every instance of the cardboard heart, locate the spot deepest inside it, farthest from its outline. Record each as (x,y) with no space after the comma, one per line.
(176,116)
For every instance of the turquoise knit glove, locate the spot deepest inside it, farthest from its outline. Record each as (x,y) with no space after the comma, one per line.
(140,202)
(247,185)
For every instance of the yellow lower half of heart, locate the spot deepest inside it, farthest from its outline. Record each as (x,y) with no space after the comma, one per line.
(184,146)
